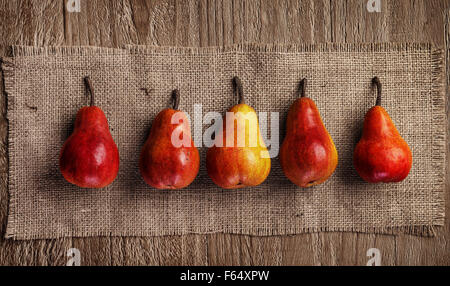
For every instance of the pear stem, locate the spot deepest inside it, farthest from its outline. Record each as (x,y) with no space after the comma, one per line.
(377,83)
(237,86)
(176,98)
(302,87)
(90,89)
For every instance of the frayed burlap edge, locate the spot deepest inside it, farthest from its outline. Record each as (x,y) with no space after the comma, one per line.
(24,51)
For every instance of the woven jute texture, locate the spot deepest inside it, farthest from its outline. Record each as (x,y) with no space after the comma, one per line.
(45,89)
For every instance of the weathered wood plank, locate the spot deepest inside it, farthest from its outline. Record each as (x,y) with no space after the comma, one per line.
(426,23)
(27,23)
(299,250)
(93,25)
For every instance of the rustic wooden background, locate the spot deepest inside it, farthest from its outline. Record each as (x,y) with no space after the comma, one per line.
(221,22)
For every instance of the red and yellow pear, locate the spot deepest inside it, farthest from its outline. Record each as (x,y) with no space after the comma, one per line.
(308,155)
(165,161)
(244,162)
(382,155)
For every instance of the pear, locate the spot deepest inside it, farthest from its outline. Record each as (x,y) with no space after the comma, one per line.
(308,155)
(240,159)
(381,156)
(165,163)
(89,158)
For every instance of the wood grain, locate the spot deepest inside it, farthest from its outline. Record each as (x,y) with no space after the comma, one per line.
(221,22)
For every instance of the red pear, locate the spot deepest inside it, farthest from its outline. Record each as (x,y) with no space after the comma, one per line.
(165,164)
(89,158)
(381,155)
(308,155)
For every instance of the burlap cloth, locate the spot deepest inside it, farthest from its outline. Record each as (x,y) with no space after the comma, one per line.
(45,89)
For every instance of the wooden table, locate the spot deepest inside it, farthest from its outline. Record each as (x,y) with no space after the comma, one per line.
(210,23)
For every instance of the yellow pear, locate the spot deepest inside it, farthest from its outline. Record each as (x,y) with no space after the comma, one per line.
(239,157)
